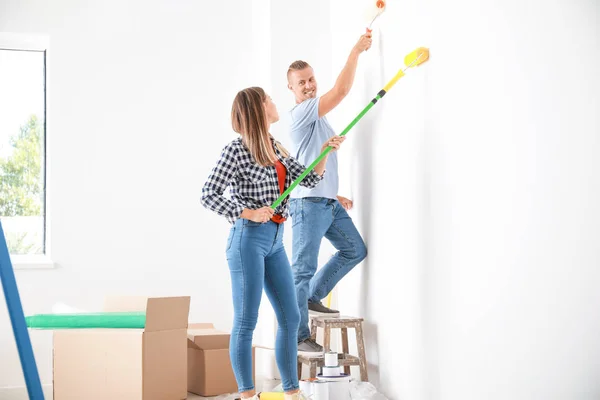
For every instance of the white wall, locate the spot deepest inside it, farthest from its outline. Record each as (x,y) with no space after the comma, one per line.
(291,42)
(386,166)
(513,182)
(139,100)
(476,180)
(127,218)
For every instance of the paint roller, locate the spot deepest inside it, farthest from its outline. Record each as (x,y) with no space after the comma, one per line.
(413,59)
(271,396)
(373,13)
(377,10)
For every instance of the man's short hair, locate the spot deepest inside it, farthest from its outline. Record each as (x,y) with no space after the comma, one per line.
(297,65)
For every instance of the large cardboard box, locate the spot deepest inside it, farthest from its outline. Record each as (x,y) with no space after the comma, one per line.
(126,364)
(209,367)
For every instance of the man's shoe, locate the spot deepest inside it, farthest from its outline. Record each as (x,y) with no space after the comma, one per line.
(309,347)
(322,311)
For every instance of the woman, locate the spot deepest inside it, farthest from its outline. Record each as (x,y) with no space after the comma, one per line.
(259,169)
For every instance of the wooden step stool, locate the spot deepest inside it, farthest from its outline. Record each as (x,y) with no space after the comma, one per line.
(344,359)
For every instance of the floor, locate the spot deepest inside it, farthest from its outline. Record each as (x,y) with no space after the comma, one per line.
(261,385)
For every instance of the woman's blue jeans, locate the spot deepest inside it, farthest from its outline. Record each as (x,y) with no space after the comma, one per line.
(257,260)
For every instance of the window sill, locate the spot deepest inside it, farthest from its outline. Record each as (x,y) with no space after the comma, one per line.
(32,262)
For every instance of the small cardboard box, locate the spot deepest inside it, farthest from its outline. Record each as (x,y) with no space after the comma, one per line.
(209,366)
(126,364)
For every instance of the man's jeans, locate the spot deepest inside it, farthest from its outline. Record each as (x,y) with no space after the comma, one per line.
(257,260)
(312,219)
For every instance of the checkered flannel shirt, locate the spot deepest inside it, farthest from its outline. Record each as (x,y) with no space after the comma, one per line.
(252,186)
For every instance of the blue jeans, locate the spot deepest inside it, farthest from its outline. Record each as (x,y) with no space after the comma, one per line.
(312,219)
(257,259)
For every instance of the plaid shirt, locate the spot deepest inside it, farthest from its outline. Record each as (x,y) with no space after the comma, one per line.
(252,186)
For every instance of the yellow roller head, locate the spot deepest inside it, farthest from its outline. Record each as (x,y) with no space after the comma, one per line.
(271,396)
(421,55)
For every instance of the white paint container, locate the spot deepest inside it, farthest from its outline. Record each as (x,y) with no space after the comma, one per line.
(339,390)
(338,387)
(331,359)
(306,386)
(331,371)
(320,390)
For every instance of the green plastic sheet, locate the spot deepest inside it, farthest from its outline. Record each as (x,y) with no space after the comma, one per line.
(135,320)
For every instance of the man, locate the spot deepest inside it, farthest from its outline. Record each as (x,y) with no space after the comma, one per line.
(320,212)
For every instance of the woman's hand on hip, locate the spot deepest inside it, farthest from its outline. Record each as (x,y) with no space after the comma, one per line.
(261,215)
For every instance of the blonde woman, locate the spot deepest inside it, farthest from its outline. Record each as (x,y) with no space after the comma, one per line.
(258,169)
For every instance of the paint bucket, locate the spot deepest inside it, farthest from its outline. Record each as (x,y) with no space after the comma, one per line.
(338,387)
(331,371)
(320,390)
(306,385)
(331,359)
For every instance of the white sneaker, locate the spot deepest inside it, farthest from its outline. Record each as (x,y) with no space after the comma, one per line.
(295,396)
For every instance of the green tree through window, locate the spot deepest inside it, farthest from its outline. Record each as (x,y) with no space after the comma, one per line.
(20,173)
(22,147)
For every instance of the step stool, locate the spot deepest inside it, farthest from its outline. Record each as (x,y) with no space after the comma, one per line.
(344,359)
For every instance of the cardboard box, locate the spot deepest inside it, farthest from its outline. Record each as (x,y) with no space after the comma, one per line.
(126,364)
(209,366)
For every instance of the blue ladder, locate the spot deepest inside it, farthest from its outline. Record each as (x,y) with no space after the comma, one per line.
(17,319)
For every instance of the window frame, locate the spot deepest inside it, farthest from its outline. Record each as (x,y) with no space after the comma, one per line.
(39,43)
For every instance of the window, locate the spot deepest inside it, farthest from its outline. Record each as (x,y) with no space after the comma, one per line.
(23,145)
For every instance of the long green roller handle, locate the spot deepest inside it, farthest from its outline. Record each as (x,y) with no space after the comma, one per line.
(130,320)
(410,60)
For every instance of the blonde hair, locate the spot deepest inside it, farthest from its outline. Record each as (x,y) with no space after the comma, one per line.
(249,119)
(297,65)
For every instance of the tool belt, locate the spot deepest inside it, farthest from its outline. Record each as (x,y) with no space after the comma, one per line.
(278,219)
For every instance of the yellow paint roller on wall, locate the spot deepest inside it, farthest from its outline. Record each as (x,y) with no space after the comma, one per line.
(413,59)
(419,56)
